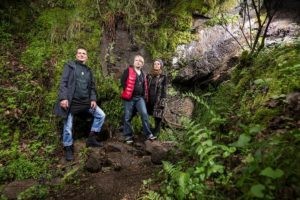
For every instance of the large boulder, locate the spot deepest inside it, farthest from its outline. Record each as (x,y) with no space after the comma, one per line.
(178,107)
(212,50)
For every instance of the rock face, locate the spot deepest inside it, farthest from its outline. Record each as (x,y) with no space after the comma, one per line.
(211,51)
(119,53)
(208,59)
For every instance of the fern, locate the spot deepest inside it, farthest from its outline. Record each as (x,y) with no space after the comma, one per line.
(151,195)
(170,169)
(187,180)
(215,119)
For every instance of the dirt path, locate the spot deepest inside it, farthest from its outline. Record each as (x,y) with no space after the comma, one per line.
(115,185)
(115,171)
(122,169)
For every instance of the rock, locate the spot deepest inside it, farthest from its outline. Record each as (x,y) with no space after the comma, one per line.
(95,160)
(119,160)
(178,107)
(93,164)
(146,160)
(293,100)
(157,151)
(208,60)
(115,147)
(13,189)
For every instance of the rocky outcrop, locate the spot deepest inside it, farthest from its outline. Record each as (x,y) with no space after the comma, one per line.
(118,156)
(178,107)
(212,51)
(118,53)
(209,59)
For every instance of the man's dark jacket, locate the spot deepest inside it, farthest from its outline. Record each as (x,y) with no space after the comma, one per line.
(67,88)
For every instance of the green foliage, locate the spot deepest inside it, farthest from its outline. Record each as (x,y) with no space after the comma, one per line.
(112,104)
(5,38)
(35,56)
(29,89)
(34,192)
(167,134)
(144,19)
(22,168)
(267,81)
(222,20)
(208,112)
(165,42)
(231,134)
(203,162)
(72,175)
(151,195)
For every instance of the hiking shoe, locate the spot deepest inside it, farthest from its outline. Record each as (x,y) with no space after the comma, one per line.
(128,140)
(151,137)
(92,141)
(69,153)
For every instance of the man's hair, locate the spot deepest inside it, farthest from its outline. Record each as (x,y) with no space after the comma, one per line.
(139,56)
(80,47)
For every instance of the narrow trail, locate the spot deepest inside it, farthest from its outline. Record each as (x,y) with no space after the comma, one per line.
(113,172)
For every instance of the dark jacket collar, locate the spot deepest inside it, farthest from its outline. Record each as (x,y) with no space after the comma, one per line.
(73,64)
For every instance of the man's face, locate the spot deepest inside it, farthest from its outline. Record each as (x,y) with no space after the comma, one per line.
(138,62)
(81,55)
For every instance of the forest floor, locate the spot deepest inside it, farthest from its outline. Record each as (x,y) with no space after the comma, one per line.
(116,171)
(124,167)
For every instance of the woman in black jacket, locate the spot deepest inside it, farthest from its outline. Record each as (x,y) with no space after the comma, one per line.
(157,82)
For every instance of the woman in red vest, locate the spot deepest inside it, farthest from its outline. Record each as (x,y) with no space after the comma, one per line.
(135,95)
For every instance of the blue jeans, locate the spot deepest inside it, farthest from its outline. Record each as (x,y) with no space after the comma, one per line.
(98,121)
(139,104)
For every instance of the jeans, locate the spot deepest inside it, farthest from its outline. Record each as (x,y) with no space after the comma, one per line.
(98,121)
(140,105)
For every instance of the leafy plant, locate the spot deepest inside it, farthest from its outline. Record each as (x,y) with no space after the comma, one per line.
(34,192)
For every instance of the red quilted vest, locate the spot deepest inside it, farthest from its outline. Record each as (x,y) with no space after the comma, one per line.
(130,82)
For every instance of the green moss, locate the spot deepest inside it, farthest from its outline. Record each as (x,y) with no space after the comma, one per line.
(165,42)
(36,54)
(23,168)
(274,73)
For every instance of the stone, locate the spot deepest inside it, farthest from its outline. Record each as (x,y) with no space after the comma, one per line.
(13,189)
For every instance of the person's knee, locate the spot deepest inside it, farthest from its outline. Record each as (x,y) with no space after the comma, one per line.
(144,115)
(100,114)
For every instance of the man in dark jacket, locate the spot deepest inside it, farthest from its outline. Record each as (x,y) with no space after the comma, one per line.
(77,94)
